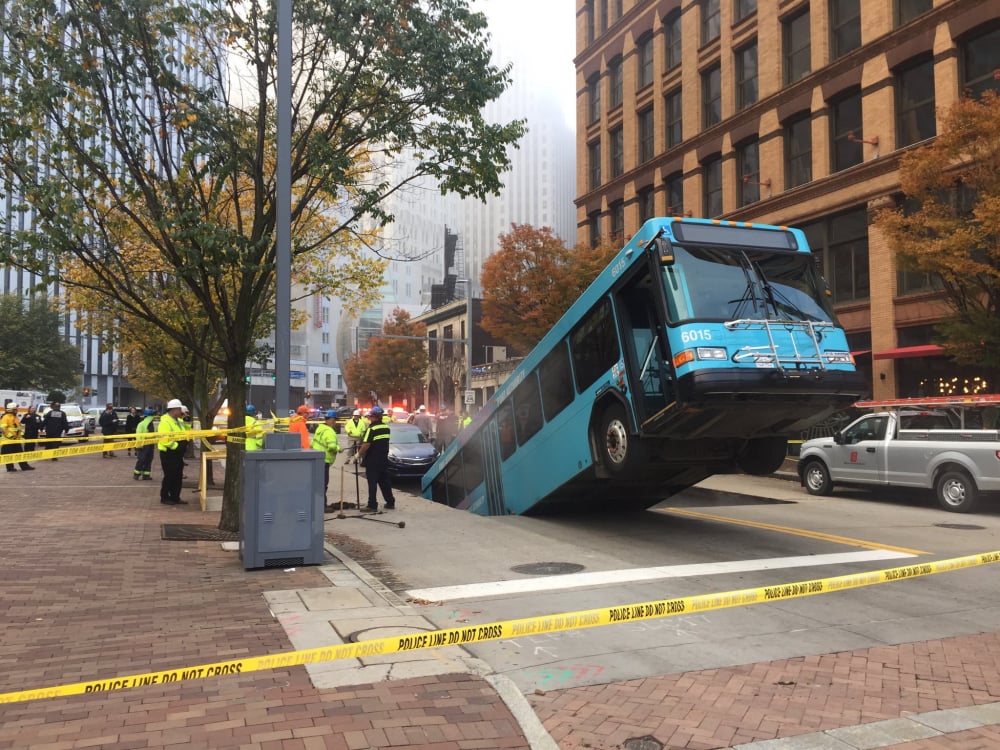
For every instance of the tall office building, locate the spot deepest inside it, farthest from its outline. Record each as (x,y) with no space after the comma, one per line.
(784,112)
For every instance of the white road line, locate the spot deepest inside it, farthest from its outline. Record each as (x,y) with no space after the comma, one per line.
(634,575)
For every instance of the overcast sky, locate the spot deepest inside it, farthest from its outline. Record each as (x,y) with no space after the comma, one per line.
(543,34)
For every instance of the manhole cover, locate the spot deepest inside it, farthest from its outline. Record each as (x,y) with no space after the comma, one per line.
(962,526)
(642,743)
(547,568)
(186,532)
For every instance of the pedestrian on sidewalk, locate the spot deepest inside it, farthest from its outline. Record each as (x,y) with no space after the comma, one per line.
(55,425)
(171,453)
(11,434)
(325,440)
(374,456)
(144,453)
(109,426)
(131,423)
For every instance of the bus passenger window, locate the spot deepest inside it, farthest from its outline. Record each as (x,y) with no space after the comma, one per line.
(505,428)
(527,408)
(555,380)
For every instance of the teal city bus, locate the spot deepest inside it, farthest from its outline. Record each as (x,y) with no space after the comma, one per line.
(700,349)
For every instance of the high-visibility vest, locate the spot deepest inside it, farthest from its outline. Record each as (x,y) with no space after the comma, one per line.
(143,427)
(255,435)
(167,426)
(354,429)
(325,439)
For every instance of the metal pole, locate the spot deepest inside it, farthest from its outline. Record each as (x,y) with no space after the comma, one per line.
(468,334)
(283,206)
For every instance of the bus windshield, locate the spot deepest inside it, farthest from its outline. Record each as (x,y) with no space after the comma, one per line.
(775,285)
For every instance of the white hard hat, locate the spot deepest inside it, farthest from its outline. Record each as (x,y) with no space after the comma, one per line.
(185,410)
(357,413)
(420,408)
(174,403)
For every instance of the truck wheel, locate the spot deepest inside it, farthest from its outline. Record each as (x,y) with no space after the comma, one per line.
(956,492)
(816,478)
(614,442)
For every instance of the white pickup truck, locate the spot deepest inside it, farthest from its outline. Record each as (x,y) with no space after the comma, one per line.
(936,447)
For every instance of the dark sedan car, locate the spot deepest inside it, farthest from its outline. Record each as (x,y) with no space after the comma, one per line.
(410,452)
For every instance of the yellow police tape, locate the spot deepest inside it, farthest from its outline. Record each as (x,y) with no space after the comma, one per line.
(121,442)
(509,628)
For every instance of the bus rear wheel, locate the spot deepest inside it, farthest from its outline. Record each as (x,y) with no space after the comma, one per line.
(617,447)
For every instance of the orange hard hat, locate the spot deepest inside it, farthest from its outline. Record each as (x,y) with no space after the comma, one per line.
(303,410)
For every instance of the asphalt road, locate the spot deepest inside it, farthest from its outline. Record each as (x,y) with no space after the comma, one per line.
(729,533)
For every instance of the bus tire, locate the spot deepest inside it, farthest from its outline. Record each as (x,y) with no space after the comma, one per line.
(956,491)
(816,478)
(616,445)
(762,456)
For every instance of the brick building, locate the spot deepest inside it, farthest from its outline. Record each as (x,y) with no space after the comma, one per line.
(784,112)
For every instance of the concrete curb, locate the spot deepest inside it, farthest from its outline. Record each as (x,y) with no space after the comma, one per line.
(534,732)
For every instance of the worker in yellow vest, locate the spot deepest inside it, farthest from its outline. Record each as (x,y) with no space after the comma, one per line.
(255,433)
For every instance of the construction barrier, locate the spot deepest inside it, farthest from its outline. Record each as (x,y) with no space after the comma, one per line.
(493,631)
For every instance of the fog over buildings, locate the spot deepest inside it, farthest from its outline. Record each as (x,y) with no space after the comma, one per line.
(538,190)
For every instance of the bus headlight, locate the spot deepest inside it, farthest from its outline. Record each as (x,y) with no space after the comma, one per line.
(711,352)
(839,358)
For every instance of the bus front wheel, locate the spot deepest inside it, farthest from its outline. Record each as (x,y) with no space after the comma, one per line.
(616,445)
(762,456)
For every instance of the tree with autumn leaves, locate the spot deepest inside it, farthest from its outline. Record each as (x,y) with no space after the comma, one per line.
(532,279)
(394,363)
(139,143)
(951,227)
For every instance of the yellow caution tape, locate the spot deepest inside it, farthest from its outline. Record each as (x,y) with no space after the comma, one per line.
(493,631)
(117,442)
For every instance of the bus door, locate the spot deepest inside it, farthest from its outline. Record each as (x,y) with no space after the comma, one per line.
(650,378)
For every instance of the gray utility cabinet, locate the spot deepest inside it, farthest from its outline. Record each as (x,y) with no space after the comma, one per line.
(281,523)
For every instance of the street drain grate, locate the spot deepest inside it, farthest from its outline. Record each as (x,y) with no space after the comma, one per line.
(547,568)
(960,526)
(188,532)
(642,743)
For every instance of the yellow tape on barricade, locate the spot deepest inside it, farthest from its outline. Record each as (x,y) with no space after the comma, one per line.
(494,631)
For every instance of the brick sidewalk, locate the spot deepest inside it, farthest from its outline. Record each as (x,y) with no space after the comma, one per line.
(89,590)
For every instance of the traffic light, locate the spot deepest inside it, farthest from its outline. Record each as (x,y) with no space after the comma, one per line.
(86,391)
(247,380)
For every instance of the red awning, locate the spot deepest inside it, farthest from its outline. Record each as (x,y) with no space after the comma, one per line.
(908,352)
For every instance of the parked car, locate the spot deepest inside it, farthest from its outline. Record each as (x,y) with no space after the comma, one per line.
(93,414)
(411,454)
(79,421)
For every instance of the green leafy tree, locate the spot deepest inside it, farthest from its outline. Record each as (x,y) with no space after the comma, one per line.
(391,366)
(36,357)
(141,144)
(951,227)
(532,280)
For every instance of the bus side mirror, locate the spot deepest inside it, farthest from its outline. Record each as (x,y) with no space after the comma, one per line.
(666,252)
